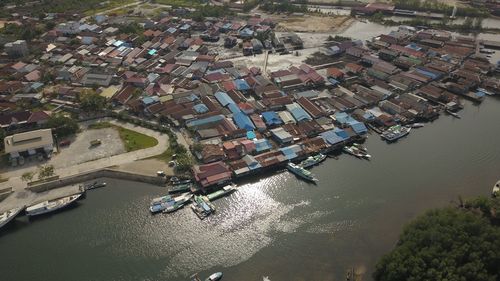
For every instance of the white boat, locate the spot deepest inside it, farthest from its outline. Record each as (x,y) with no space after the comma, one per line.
(496,190)
(52,205)
(214,277)
(9,215)
(417,125)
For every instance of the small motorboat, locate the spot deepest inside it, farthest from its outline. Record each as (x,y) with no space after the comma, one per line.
(417,125)
(496,190)
(214,277)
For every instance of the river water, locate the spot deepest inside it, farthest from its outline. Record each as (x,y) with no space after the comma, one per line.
(274,225)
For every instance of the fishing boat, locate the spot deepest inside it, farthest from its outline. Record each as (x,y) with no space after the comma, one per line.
(94,185)
(9,215)
(360,147)
(496,190)
(160,204)
(486,92)
(417,125)
(202,207)
(177,181)
(177,204)
(52,205)
(301,172)
(313,160)
(221,193)
(353,150)
(395,132)
(180,188)
(454,114)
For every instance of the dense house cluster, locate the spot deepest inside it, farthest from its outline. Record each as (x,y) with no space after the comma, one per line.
(245,119)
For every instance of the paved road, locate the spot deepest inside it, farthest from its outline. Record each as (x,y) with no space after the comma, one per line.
(18,185)
(113,9)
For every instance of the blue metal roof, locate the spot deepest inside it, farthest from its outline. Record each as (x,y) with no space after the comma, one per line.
(234,108)
(200,108)
(331,137)
(243,121)
(359,128)
(271,118)
(241,85)
(289,153)
(251,135)
(204,121)
(223,98)
(150,100)
(262,144)
(341,133)
(298,112)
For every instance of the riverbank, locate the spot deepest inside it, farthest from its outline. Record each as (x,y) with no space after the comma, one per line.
(305,232)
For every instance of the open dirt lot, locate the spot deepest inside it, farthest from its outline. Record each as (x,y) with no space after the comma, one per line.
(80,151)
(312,23)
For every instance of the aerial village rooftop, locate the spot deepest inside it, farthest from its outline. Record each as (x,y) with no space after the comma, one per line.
(240,119)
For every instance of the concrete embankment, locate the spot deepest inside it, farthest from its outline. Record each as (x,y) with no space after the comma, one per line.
(5,192)
(104,173)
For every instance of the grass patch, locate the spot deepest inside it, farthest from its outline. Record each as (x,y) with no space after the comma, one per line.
(181,3)
(134,140)
(111,5)
(131,139)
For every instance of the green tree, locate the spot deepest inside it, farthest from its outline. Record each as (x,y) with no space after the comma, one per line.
(28,176)
(90,101)
(45,171)
(445,244)
(63,126)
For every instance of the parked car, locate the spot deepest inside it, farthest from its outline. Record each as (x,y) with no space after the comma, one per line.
(64,143)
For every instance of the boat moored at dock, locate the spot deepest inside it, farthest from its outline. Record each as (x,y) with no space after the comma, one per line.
(52,205)
(301,172)
(313,160)
(9,215)
(179,188)
(214,277)
(94,185)
(395,132)
(222,192)
(169,202)
(202,207)
(356,151)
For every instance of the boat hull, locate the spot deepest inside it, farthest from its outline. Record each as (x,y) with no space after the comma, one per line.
(39,212)
(12,214)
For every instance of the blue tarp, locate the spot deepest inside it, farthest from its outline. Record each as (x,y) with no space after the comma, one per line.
(223,98)
(262,145)
(331,137)
(271,118)
(243,121)
(241,85)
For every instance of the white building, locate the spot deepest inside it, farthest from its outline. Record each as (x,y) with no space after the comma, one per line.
(29,143)
(17,48)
